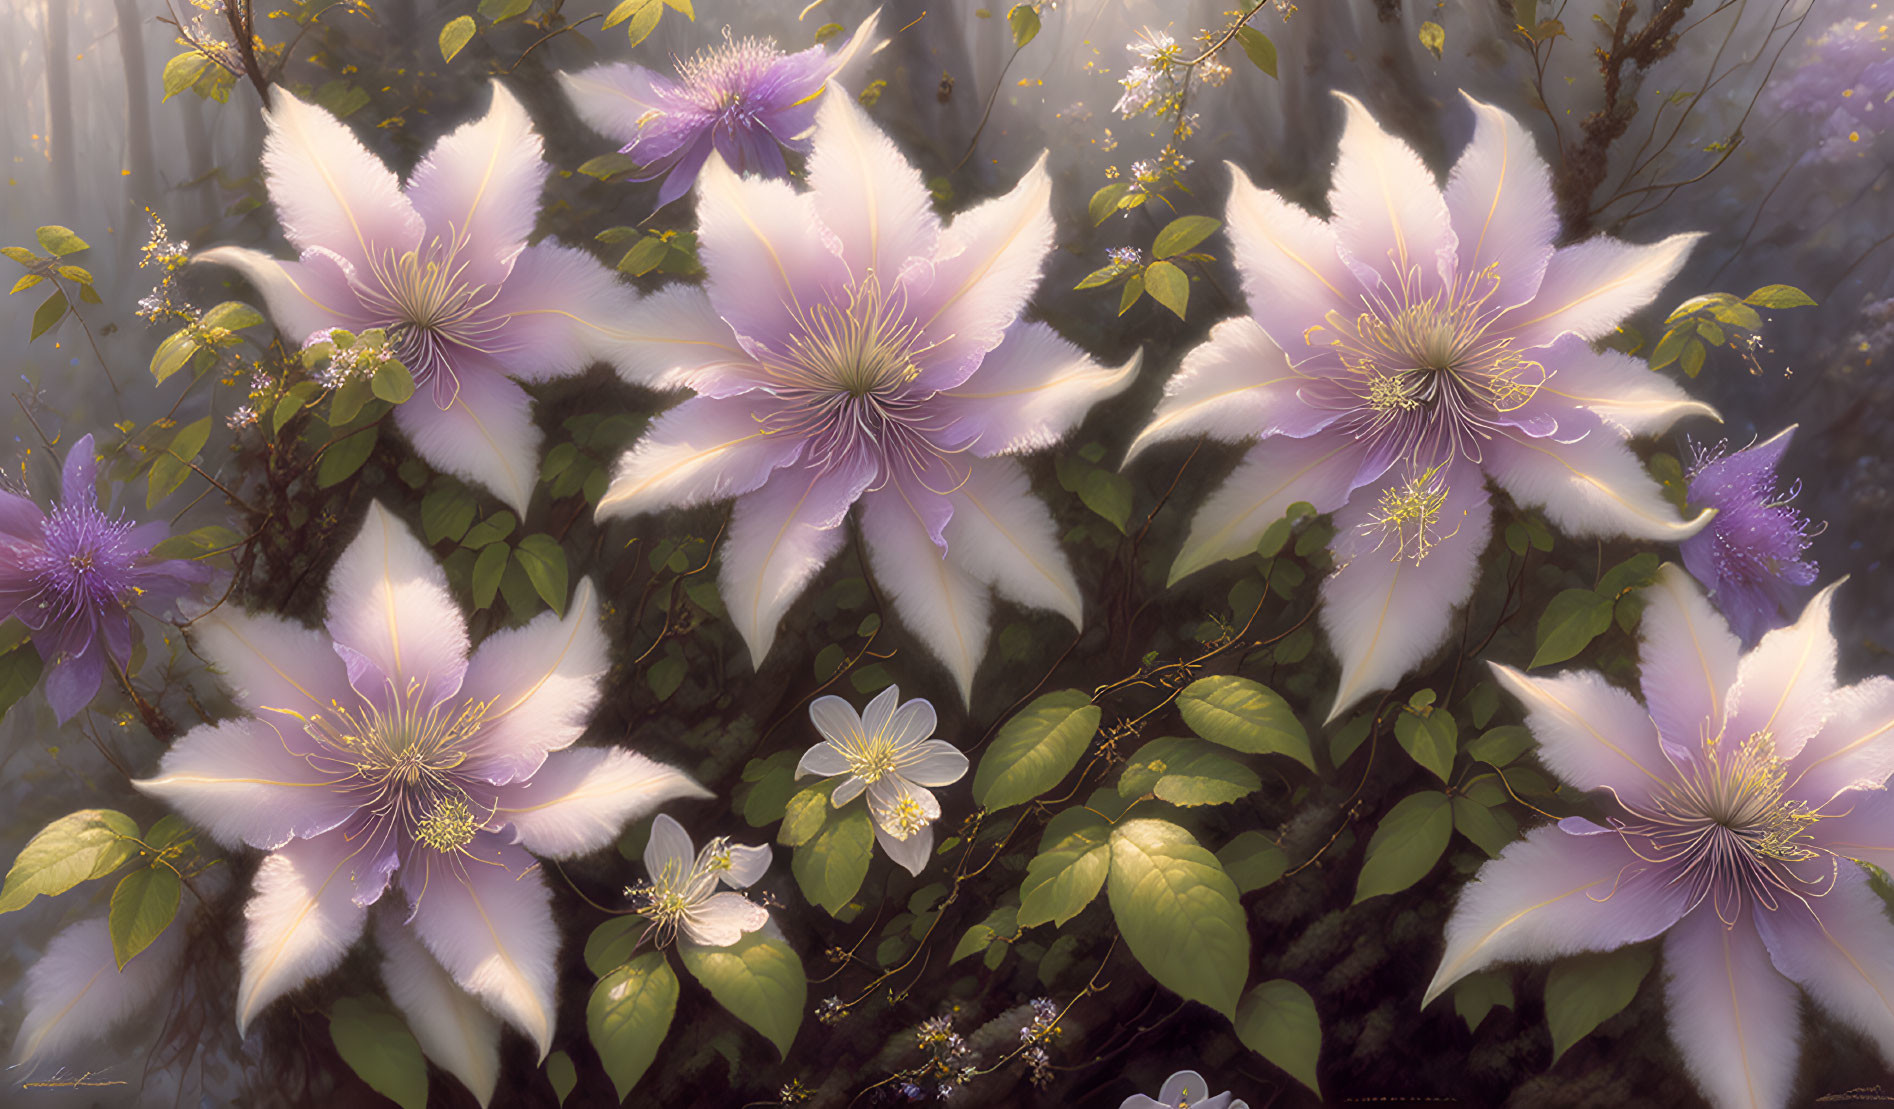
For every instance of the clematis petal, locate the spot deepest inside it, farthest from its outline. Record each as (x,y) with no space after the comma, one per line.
(304,296)
(723,919)
(1861,826)
(910,854)
(614,100)
(558,312)
(1591,734)
(1785,687)
(672,338)
(1687,660)
(824,760)
(1729,1010)
(1236,386)
(835,720)
(300,921)
(704,450)
(850,789)
(1030,392)
(237,781)
(72,680)
(1500,194)
(540,682)
(866,193)
(479,186)
(668,849)
(943,605)
(1623,391)
(389,606)
(934,763)
(488,918)
(76,992)
(1553,894)
(1003,535)
(1591,287)
(329,190)
(878,715)
(1840,948)
(454,1030)
(1591,486)
(911,724)
(485,434)
(780,535)
(1855,748)
(747,864)
(583,797)
(270,664)
(1291,264)
(762,248)
(988,264)
(1389,215)
(1384,611)
(1275,474)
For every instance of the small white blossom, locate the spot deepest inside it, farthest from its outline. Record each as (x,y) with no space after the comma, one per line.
(887,752)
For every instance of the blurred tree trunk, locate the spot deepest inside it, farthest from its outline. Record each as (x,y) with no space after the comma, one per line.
(201,180)
(59,132)
(142,184)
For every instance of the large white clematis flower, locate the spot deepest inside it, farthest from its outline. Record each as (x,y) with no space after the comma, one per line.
(848,348)
(382,744)
(1398,355)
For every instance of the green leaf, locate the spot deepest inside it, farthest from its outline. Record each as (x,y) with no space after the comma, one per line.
(143,906)
(606,167)
(562,1074)
(831,866)
(1635,572)
(1128,296)
(487,571)
(644,256)
(1769,296)
(377,1045)
(1405,845)
(628,1015)
(665,675)
(58,241)
(50,311)
(1278,1022)
(1107,493)
(1261,51)
(182,72)
(1253,860)
(1478,823)
(1178,913)
(1187,772)
(392,382)
(90,843)
(447,513)
(758,979)
(345,456)
(643,22)
(1035,749)
(232,315)
(1024,20)
(456,35)
(806,813)
(544,561)
(490,530)
(1244,716)
(1431,739)
(1500,745)
(1669,347)
(1105,201)
(1693,356)
(1475,995)
(1348,738)
(1074,857)
(1573,619)
(1583,992)
(1002,924)
(499,11)
(1434,37)
(19,673)
(613,943)
(1168,285)
(1183,233)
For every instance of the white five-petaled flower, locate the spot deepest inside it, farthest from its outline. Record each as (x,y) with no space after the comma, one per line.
(848,348)
(1397,356)
(1184,1090)
(889,753)
(443,267)
(682,895)
(383,749)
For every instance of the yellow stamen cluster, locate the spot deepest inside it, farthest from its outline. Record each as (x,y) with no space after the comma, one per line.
(905,818)
(449,826)
(1410,514)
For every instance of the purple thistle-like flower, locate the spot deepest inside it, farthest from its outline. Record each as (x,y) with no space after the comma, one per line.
(744,99)
(1750,557)
(1739,797)
(74,575)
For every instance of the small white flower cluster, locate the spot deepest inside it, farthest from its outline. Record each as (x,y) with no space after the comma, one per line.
(1156,84)
(339,357)
(169,257)
(1037,1032)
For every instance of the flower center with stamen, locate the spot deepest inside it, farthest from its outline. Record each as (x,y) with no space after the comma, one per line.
(448,826)
(85,562)
(1410,515)
(872,761)
(721,80)
(426,303)
(905,818)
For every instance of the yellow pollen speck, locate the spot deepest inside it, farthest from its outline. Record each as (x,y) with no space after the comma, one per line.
(1410,514)
(1854,136)
(448,827)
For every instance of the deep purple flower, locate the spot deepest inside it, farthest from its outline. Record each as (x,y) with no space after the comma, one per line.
(745,99)
(1741,795)
(1750,557)
(74,575)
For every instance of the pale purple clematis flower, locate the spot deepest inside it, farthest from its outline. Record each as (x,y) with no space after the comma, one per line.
(442,265)
(1184,1090)
(849,348)
(888,752)
(682,897)
(74,575)
(1750,557)
(381,744)
(1402,353)
(76,992)
(744,99)
(1741,794)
